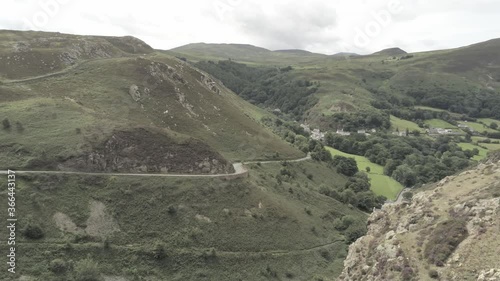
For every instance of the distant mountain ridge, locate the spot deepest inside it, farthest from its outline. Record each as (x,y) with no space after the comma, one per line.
(391,52)
(243,53)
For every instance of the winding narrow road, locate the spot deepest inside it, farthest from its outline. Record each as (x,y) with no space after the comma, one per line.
(239,169)
(400,198)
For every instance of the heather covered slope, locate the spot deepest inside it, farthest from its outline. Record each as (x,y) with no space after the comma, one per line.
(447,231)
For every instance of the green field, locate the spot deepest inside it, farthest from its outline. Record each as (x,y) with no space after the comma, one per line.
(380,183)
(488,121)
(489,146)
(478,127)
(429,108)
(402,125)
(468,146)
(438,123)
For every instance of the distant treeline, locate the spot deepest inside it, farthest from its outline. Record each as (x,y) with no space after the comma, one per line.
(482,103)
(273,88)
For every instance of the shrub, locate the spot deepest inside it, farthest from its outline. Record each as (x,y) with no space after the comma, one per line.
(159,252)
(106,244)
(172,210)
(355,231)
(344,223)
(210,254)
(433,274)
(19,127)
(87,270)
(325,254)
(408,195)
(58,266)
(407,273)
(6,124)
(33,231)
(444,240)
(270,272)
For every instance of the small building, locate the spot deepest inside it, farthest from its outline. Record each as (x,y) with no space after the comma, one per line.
(306,128)
(399,134)
(342,133)
(316,134)
(439,131)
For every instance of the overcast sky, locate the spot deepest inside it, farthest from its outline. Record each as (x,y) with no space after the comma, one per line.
(332,26)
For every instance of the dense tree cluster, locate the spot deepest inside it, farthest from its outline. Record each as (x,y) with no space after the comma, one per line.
(265,87)
(480,103)
(410,160)
(356,192)
(346,166)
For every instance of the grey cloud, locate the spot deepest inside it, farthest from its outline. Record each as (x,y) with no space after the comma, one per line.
(291,26)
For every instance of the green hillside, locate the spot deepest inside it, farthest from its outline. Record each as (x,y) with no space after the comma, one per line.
(155,90)
(106,116)
(400,83)
(211,229)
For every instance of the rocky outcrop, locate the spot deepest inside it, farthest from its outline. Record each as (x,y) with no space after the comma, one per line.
(460,214)
(136,93)
(209,83)
(86,49)
(162,71)
(141,151)
(489,275)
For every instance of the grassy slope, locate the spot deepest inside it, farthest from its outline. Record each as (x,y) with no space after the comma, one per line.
(380,183)
(489,146)
(402,124)
(253,224)
(31,54)
(478,127)
(488,121)
(482,152)
(438,123)
(51,109)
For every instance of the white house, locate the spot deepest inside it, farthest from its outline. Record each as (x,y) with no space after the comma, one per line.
(342,133)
